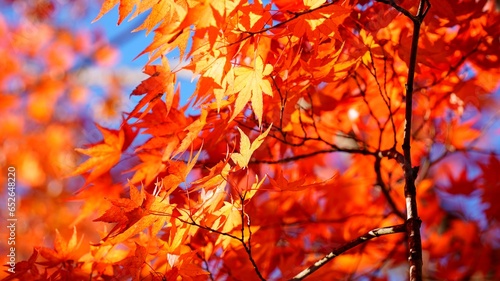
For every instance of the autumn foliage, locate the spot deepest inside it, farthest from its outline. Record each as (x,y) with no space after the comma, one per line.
(289,149)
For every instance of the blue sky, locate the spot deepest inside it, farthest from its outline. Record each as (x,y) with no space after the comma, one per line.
(130,44)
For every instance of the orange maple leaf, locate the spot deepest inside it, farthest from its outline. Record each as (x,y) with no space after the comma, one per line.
(93,196)
(103,156)
(62,251)
(132,265)
(194,130)
(161,81)
(135,214)
(283,184)
(124,9)
(163,12)
(461,134)
(183,265)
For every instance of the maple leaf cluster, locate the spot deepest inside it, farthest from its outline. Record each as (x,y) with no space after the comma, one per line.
(291,144)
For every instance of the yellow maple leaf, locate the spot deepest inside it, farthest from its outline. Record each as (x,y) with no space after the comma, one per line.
(246,149)
(250,84)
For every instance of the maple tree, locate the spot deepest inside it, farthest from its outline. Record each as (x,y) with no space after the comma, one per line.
(328,140)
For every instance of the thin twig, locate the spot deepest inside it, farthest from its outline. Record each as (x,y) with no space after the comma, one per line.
(385,191)
(247,246)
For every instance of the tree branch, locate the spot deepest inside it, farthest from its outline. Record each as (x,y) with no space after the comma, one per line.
(413,222)
(361,239)
(307,155)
